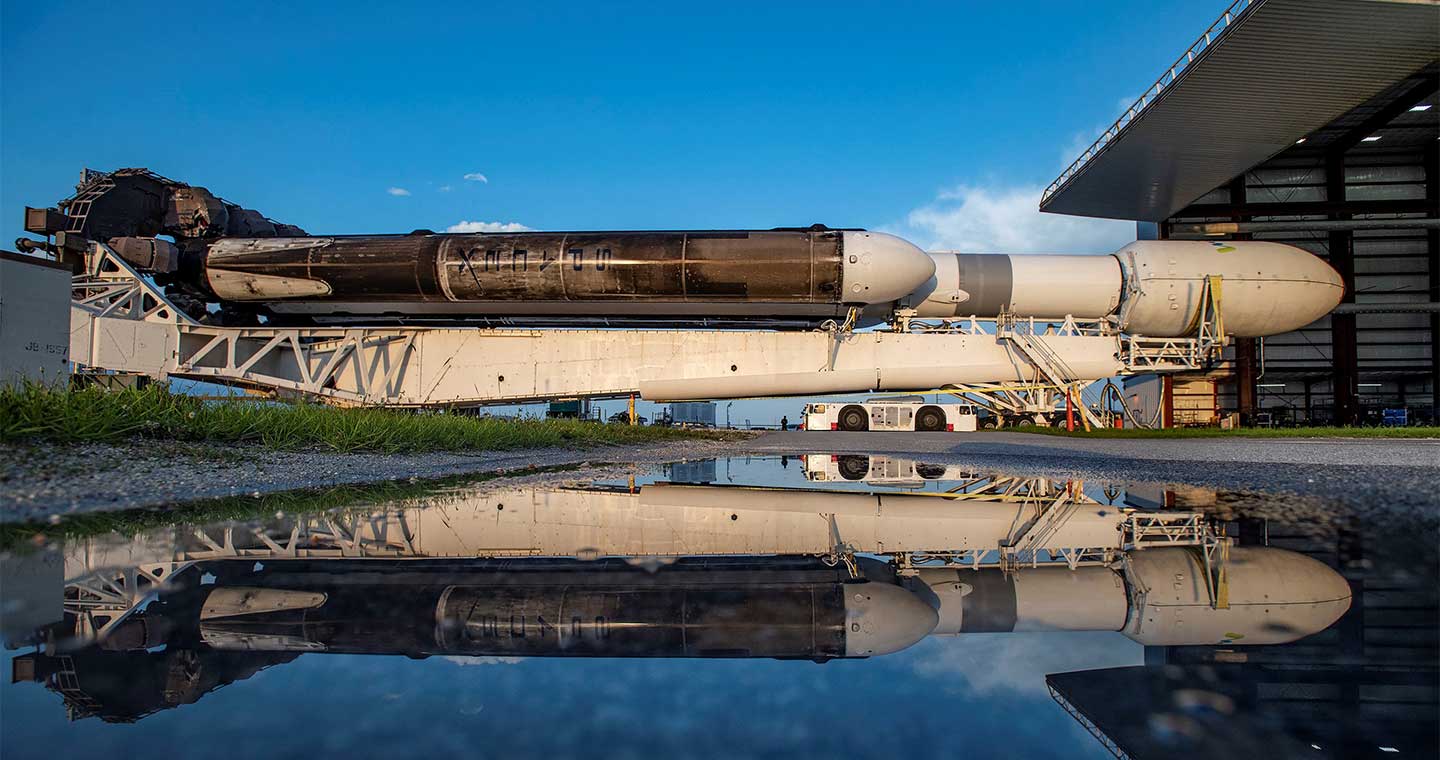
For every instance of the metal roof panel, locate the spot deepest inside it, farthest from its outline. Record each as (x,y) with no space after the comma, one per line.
(1279,70)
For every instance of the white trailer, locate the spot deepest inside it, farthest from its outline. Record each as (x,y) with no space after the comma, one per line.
(904,413)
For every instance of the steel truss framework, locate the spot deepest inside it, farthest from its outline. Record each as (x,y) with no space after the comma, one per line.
(1031,543)
(1087,724)
(1053,380)
(100,593)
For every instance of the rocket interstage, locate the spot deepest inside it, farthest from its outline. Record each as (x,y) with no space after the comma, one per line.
(1150,287)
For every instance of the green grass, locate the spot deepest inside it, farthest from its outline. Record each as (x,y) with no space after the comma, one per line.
(1208,432)
(87,415)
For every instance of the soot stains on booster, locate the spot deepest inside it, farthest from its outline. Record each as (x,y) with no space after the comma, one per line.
(802,267)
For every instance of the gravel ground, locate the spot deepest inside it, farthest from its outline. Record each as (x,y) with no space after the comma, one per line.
(37,481)
(41,480)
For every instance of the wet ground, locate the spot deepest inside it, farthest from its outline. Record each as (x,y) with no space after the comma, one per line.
(40,480)
(1396,472)
(835,604)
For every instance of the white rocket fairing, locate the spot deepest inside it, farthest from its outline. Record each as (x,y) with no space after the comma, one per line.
(1161,597)
(1150,287)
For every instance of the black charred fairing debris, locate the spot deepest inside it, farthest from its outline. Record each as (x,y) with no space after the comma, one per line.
(138,203)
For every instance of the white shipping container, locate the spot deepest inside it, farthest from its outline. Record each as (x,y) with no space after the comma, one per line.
(34,320)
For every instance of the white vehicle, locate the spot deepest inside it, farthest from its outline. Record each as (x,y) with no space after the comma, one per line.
(906,413)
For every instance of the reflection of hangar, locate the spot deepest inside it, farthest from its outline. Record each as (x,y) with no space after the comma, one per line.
(1366,687)
(1314,123)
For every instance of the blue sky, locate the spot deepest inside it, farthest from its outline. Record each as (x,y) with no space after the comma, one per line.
(941,121)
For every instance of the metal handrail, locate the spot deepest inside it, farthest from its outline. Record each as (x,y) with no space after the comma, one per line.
(1232,14)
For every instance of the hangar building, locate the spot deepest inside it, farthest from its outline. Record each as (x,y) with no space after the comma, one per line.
(1314,123)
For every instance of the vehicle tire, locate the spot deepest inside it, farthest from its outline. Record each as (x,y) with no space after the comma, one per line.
(930,419)
(854,418)
(853,467)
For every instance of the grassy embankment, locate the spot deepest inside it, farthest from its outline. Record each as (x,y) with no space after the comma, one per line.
(37,413)
(1206,432)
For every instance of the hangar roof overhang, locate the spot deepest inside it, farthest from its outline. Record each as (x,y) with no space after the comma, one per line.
(1266,74)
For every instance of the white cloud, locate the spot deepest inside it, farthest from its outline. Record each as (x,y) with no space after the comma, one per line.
(467,226)
(991,663)
(464,660)
(1008,220)
(398,191)
(477,177)
(1081,141)
(445,188)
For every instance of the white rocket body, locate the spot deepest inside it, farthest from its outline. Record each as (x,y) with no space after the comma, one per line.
(1162,599)
(1150,287)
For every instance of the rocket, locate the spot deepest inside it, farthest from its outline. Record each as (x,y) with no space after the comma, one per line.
(1154,288)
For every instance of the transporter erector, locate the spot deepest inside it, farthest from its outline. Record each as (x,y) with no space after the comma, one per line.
(174,282)
(233,257)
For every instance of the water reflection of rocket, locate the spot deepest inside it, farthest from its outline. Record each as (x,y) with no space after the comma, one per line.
(789,608)
(1156,597)
(689,571)
(254,615)
(716,607)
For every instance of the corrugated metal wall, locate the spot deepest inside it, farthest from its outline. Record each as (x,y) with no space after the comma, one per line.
(1394,177)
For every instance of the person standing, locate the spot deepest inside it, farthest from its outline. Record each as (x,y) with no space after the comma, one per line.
(784,422)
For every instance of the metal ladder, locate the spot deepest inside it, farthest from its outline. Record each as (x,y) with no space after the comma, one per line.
(93,185)
(78,703)
(1045,360)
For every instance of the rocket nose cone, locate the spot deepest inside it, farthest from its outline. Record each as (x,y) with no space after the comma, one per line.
(1289,289)
(1323,285)
(879,268)
(881,618)
(1313,595)
(1279,596)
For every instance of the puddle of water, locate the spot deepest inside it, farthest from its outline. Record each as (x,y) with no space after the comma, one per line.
(682,612)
